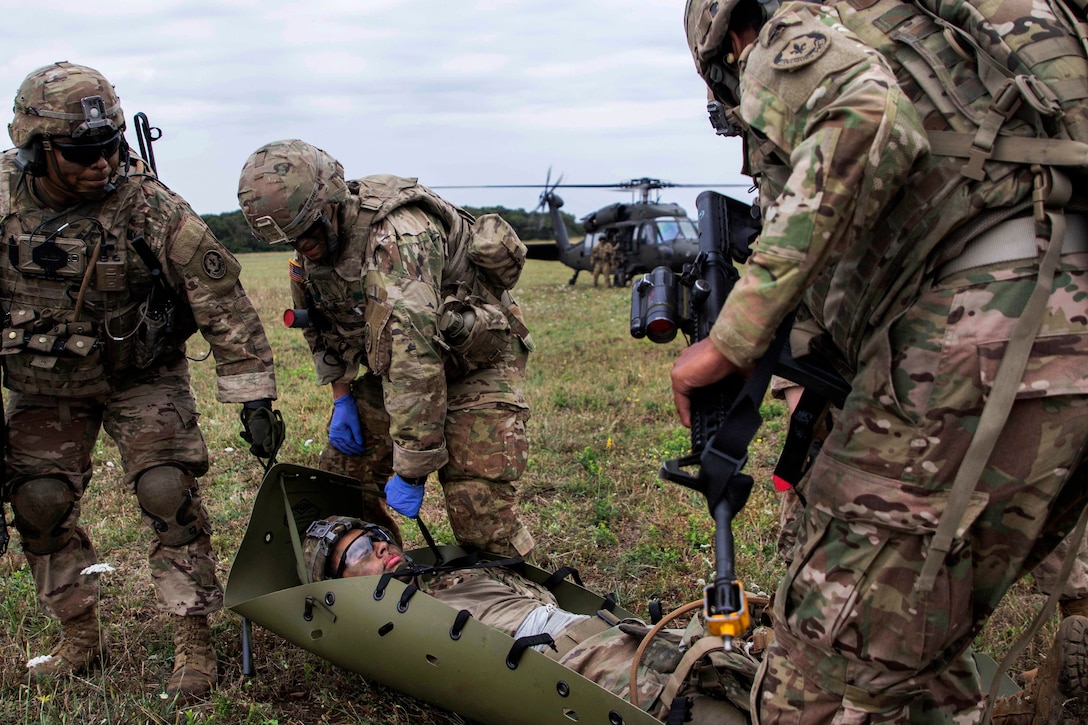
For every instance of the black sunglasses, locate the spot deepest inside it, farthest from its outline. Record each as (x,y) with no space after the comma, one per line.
(85,154)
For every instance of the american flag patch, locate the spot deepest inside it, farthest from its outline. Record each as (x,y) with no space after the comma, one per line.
(296,271)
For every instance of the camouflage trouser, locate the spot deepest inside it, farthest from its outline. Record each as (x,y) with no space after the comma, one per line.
(855,642)
(487,447)
(152,424)
(604,268)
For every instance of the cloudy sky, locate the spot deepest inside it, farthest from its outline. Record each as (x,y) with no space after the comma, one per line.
(456,92)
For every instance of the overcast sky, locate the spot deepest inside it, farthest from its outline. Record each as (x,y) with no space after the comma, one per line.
(454,92)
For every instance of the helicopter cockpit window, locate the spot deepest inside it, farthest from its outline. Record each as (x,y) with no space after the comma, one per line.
(669,230)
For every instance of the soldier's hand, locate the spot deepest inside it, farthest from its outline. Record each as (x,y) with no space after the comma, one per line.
(345,429)
(698,366)
(405,496)
(263,428)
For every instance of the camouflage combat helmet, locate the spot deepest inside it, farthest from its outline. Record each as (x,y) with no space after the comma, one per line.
(322,535)
(706,25)
(64,99)
(284,189)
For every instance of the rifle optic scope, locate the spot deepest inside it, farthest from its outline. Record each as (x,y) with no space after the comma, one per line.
(297,318)
(655,306)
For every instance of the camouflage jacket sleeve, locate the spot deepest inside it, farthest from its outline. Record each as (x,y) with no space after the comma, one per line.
(829,108)
(201,269)
(405,258)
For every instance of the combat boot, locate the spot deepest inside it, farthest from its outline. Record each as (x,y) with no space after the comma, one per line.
(195,668)
(80,648)
(1058,694)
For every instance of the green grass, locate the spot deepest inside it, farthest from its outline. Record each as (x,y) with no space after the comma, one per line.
(603,423)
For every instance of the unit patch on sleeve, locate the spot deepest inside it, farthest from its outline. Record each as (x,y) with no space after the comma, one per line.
(802,50)
(214,265)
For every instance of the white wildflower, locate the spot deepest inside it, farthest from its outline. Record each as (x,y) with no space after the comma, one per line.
(39,660)
(97,569)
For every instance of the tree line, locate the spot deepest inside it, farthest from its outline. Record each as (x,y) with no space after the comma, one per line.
(231,229)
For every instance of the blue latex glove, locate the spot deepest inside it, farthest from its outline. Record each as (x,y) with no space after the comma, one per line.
(345,430)
(403,497)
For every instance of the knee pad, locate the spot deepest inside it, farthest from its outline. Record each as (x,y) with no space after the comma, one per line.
(43,513)
(170,504)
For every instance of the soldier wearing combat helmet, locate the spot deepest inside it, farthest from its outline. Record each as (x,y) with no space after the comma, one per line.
(955,464)
(107,274)
(414,331)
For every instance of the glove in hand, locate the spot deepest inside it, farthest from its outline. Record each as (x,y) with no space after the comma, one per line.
(346,430)
(403,497)
(259,422)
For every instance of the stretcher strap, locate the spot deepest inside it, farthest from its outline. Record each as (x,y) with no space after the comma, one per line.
(521,644)
(459,623)
(296,542)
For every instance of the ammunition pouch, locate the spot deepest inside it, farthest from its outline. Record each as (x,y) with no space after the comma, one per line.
(476,330)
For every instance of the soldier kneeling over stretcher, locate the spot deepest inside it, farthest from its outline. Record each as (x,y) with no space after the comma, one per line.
(600,648)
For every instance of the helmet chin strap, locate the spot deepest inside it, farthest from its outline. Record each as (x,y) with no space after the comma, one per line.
(332,244)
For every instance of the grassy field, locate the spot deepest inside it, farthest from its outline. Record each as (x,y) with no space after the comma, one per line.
(602,423)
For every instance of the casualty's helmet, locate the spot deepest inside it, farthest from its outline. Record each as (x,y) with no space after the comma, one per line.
(706,25)
(284,188)
(321,537)
(64,99)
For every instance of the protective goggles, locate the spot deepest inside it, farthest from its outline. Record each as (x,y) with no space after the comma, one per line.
(85,154)
(359,549)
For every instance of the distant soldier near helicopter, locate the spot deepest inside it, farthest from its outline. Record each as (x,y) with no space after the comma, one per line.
(604,257)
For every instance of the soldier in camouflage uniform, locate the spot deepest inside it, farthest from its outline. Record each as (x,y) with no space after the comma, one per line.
(416,335)
(599,648)
(603,257)
(107,273)
(878,235)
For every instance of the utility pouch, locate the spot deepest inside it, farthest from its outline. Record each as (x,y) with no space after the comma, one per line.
(477,331)
(153,336)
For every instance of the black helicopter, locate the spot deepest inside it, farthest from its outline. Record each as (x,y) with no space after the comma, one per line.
(651,233)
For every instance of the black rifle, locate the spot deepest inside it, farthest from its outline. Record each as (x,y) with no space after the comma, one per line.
(725,415)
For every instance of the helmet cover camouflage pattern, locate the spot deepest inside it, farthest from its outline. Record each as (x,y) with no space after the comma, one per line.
(320,537)
(284,188)
(64,99)
(706,25)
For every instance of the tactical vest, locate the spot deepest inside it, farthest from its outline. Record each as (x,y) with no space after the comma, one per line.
(339,287)
(73,289)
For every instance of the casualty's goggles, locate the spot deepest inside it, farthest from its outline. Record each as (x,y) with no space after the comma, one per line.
(330,531)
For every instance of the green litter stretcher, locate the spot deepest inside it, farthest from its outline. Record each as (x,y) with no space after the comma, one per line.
(417,645)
